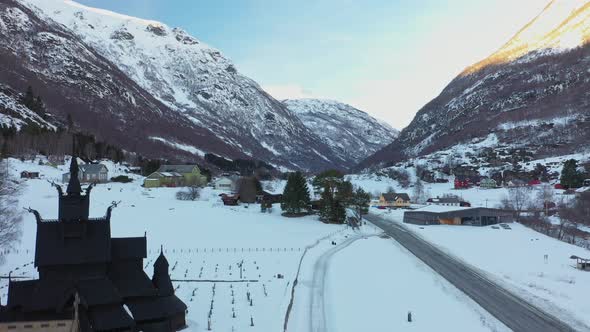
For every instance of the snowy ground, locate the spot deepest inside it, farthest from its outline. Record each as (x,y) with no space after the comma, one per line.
(393,286)
(515,259)
(206,241)
(203,240)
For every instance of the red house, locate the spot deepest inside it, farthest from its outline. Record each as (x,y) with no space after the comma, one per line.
(462,183)
(558,186)
(534,182)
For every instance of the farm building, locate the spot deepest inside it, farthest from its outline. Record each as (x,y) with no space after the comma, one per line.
(401,200)
(439,215)
(444,201)
(29,175)
(90,173)
(175,176)
(89,281)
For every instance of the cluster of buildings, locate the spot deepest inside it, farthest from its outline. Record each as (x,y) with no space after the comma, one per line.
(89,281)
(175,176)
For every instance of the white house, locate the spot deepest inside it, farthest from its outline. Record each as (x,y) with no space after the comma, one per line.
(444,201)
(90,173)
(224,183)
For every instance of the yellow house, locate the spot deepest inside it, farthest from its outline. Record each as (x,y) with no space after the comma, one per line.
(394,200)
(175,176)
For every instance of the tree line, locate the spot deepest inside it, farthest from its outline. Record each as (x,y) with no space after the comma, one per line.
(335,192)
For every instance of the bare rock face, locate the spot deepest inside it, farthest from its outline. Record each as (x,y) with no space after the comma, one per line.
(122,35)
(157,29)
(350,132)
(532,93)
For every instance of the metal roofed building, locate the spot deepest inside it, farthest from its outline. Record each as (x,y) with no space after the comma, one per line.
(453,215)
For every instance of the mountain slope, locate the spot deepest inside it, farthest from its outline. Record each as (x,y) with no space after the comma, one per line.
(73,79)
(197,83)
(533,93)
(351,133)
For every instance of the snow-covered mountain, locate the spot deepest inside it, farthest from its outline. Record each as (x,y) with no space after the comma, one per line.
(16,115)
(533,93)
(350,132)
(145,79)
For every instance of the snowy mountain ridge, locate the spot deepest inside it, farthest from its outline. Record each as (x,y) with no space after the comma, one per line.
(350,132)
(530,94)
(193,84)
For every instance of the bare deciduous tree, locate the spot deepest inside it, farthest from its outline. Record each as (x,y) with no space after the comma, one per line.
(10,216)
(518,200)
(419,194)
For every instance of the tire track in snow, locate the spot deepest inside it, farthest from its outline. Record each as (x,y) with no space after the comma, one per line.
(317,309)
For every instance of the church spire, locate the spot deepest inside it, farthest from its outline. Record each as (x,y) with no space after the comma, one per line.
(74,187)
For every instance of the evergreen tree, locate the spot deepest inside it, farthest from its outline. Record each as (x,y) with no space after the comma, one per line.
(327,203)
(70,122)
(296,194)
(359,203)
(29,98)
(39,107)
(570,177)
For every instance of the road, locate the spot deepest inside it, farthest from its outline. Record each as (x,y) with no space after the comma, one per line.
(511,310)
(317,312)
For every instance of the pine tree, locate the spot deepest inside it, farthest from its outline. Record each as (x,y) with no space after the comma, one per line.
(70,122)
(296,194)
(359,202)
(570,177)
(29,98)
(327,203)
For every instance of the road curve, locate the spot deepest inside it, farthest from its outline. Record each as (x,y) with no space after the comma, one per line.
(508,308)
(317,312)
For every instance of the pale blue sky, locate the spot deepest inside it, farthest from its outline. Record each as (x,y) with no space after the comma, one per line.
(388,58)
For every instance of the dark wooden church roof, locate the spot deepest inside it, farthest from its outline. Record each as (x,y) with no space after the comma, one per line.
(84,242)
(128,248)
(76,256)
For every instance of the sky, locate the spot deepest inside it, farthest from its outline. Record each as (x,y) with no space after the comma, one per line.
(386,57)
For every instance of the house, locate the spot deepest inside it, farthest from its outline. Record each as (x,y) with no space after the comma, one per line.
(230,200)
(444,201)
(175,176)
(29,175)
(266,197)
(517,183)
(534,182)
(462,182)
(393,200)
(558,186)
(442,215)
(224,183)
(89,281)
(90,173)
(488,183)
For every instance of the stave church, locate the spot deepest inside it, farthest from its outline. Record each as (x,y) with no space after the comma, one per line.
(89,281)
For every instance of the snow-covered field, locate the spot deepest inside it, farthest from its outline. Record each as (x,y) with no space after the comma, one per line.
(515,259)
(202,240)
(370,284)
(393,282)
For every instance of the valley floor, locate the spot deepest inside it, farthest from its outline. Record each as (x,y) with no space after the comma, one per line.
(367,284)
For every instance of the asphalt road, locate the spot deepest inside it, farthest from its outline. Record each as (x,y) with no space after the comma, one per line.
(514,312)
